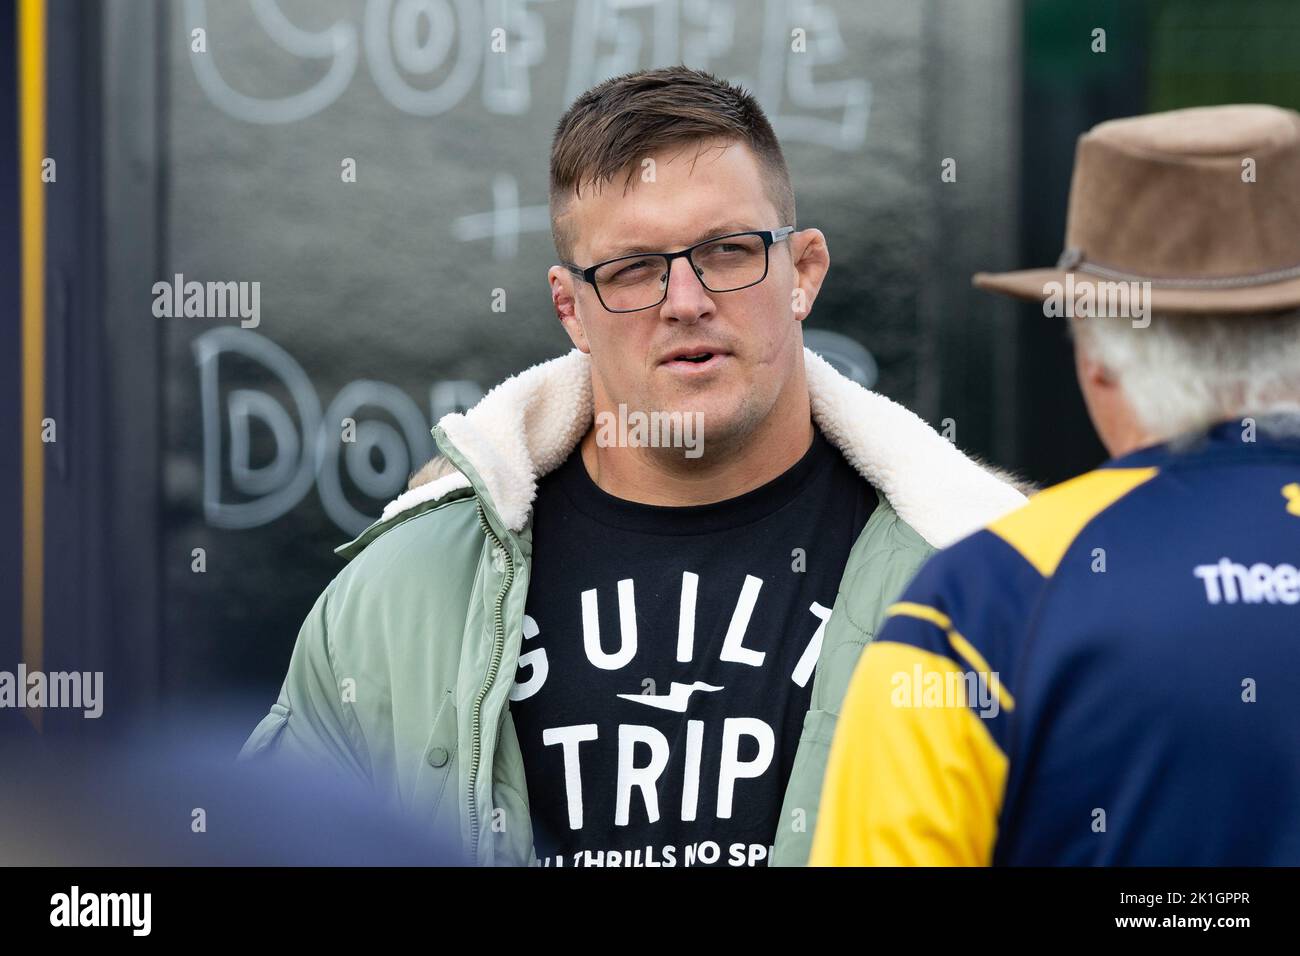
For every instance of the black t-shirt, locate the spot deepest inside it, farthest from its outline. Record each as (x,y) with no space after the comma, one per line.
(667,661)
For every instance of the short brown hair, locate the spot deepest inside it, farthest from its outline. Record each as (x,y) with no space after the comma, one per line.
(615,124)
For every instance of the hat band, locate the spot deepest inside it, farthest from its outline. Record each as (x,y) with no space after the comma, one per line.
(1072,260)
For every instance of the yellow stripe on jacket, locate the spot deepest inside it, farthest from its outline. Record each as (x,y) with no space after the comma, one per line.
(908,784)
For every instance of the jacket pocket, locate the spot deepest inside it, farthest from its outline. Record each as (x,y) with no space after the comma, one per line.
(794,831)
(437,761)
(266,732)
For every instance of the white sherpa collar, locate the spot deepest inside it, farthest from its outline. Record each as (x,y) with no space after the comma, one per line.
(528,425)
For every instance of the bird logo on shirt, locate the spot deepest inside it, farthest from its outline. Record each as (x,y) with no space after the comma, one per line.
(1291,493)
(676,699)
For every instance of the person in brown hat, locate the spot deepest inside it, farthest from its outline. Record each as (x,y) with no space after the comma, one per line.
(1109,675)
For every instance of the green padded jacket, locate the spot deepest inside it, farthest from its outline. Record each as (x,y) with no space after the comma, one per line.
(402,670)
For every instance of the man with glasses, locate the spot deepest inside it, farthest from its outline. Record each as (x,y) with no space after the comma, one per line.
(585,645)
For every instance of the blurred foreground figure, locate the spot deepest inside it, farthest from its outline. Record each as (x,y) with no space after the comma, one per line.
(1110,675)
(174,797)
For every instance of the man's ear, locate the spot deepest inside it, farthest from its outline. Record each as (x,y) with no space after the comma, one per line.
(812,259)
(566,307)
(1097,373)
(1090,370)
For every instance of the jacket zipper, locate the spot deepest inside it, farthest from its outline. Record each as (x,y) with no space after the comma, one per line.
(498,650)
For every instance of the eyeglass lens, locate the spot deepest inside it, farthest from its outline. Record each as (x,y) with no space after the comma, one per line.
(723,265)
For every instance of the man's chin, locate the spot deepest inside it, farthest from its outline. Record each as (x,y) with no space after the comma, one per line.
(718,409)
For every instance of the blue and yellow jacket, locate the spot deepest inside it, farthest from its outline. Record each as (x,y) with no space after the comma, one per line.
(1109,675)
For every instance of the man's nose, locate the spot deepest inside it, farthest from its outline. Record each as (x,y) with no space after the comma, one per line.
(687,298)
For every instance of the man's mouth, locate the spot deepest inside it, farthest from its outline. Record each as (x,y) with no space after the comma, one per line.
(693,356)
(695,361)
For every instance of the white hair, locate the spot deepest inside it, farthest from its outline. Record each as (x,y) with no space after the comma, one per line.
(1185,372)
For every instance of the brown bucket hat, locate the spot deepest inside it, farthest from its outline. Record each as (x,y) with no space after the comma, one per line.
(1202,203)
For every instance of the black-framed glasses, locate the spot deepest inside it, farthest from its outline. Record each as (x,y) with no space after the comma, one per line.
(727,263)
